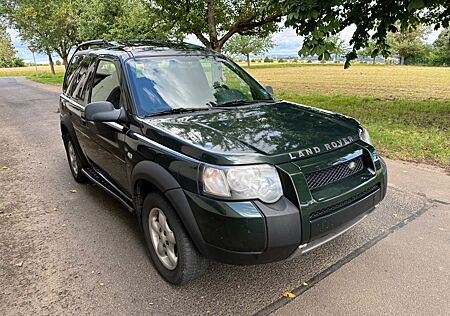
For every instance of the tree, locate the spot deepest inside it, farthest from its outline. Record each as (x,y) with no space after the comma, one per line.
(214,22)
(408,43)
(369,51)
(47,25)
(18,62)
(7,52)
(119,20)
(441,49)
(317,20)
(247,44)
(336,46)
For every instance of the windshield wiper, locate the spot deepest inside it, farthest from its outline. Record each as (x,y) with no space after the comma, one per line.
(242,102)
(177,111)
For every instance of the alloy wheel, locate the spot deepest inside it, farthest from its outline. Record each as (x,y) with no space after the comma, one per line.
(163,239)
(72,158)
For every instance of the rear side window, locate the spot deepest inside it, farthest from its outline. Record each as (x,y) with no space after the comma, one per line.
(106,85)
(75,63)
(79,86)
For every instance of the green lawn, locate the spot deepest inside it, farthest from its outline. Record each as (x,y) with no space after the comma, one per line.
(47,78)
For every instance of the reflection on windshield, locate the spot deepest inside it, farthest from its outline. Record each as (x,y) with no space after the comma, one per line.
(164,83)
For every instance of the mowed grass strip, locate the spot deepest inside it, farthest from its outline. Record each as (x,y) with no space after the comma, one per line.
(48,78)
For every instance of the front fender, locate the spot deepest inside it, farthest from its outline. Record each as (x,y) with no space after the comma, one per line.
(155,174)
(166,183)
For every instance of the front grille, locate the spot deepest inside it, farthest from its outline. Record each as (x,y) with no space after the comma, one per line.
(334,207)
(329,175)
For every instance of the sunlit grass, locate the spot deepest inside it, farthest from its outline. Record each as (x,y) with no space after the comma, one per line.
(389,82)
(28,71)
(48,78)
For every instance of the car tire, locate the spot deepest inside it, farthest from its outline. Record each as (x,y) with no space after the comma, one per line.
(169,246)
(75,162)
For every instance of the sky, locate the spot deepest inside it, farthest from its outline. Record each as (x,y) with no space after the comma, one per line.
(287,43)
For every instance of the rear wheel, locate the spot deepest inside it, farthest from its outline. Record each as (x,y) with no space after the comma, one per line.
(170,248)
(75,163)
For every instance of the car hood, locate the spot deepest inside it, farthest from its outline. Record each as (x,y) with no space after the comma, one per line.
(266,129)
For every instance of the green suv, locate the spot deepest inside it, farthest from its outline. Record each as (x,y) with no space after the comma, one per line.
(213,166)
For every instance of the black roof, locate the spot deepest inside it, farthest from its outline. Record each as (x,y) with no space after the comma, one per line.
(141,47)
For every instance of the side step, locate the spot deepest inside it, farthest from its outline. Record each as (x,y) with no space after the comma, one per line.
(98,179)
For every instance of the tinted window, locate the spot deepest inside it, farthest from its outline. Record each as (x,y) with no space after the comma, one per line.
(75,63)
(106,86)
(162,83)
(79,87)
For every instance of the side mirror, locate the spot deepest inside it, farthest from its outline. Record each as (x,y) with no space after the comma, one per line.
(103,111)
(269,89)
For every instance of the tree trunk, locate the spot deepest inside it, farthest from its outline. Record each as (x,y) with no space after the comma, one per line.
(65,61)
(50,61)
(248,60)
(402,60)
(213,37)
(373,60)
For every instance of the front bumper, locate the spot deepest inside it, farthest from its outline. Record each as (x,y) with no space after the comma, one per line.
(254,232)
(333,233)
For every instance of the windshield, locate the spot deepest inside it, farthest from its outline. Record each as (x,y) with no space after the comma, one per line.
(189,82)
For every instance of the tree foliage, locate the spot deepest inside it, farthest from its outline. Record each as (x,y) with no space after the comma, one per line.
(7,52)
(46,25)
(368,51)
(408,43)
(441,49)
(248,44)
(58,25)
(214,22)
(119,20)
(337,46)
(317,20)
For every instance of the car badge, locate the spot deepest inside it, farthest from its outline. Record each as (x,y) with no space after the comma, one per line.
(352,165)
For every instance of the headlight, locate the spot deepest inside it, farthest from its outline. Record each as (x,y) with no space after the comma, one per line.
(364,136)
(243,182)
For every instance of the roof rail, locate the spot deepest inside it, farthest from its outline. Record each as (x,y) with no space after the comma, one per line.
(97,43)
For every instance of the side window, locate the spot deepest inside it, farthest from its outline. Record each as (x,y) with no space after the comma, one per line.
(233,81)
(79,86)
(106,85)
(70,72)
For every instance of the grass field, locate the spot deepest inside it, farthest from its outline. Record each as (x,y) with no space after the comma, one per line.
(384,82)
(28,71)
(405,108)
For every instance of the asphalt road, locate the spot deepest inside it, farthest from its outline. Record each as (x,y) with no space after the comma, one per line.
(82,253)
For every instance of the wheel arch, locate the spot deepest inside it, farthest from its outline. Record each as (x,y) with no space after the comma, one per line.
(67,130)
(66,127)
(147,177)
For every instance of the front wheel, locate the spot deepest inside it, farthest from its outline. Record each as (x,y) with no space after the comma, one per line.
(170,248)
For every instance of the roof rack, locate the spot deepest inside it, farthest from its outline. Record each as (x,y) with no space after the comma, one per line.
(98,43)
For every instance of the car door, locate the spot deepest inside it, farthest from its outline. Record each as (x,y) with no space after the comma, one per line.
(107,139)
(76,87)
